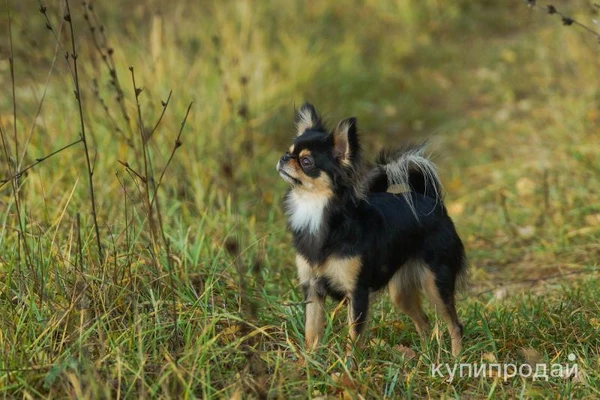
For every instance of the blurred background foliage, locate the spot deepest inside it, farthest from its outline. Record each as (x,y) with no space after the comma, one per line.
(507,96)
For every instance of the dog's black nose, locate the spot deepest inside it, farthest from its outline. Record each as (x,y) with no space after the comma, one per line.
(285,157)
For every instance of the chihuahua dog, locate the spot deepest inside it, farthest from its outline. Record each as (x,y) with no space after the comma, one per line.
(356,230)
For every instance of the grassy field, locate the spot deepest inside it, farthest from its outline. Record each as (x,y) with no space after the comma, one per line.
(193,292)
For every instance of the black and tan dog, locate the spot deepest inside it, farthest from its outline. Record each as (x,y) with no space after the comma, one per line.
(356,232)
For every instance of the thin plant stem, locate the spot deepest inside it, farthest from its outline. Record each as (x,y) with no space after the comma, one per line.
(78,95)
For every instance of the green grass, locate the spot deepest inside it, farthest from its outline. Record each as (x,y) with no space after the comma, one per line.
(204,301)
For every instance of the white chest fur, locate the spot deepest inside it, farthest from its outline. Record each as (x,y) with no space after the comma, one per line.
(305,210)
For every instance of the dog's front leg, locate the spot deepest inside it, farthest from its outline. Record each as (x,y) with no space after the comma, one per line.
(315,315)
(358,309)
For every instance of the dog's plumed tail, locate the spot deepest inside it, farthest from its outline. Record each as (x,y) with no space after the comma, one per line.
(405,170)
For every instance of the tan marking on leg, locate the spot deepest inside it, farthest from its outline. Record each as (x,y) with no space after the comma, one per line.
(304,269)
(352,322)
(315,307)
(408,300)
(315,320)
(404,288)
(355,340)
(448,311)
(342,272)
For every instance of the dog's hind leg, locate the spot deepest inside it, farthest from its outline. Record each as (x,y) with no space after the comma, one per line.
(441,294)
(406,297)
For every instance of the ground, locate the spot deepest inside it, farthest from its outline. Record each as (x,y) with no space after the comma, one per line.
(193,293)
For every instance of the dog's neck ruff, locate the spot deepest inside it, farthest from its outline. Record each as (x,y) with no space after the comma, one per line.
(305,210)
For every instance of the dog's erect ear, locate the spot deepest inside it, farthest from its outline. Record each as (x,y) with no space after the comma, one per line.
(307,118)
(345,141)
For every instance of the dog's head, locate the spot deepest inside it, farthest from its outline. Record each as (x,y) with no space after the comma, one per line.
(320,161)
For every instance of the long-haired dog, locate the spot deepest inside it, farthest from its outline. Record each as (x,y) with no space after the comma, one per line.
(356,232)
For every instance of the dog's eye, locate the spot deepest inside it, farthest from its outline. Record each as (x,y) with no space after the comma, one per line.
(305,162)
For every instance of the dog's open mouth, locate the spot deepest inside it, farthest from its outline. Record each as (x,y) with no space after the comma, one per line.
(288,178)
